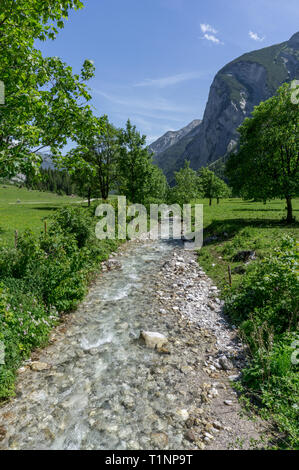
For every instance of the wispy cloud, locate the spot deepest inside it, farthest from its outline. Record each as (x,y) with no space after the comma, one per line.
(256,37)
(209,33)
(212,38)
(207,28)
(171,80)
(157,104)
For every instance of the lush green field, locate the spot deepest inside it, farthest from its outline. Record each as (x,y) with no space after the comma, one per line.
(22,209)
(241,225)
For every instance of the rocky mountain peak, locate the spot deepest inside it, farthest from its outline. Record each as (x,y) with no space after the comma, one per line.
(294,40)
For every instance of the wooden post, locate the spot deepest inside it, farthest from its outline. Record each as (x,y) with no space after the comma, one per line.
(16,238)
(229,275)
(45,227)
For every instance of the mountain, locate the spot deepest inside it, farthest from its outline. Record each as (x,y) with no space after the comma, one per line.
(167,159)
(236,89)
(47,161)
(171,138)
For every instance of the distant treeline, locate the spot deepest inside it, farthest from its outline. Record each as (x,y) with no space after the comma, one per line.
(55,181)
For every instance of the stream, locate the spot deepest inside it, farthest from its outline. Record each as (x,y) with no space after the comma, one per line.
(97,385)
(99,392)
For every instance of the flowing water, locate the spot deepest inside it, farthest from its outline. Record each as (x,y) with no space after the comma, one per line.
(105,389)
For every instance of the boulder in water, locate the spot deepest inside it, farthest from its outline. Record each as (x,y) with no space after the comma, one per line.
(153,340)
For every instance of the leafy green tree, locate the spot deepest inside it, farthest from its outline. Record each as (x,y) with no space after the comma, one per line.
(267,165)
(186,187)
(221,190)
(94,161)
(211,186)
(134,165)
(157,186)
(45,103)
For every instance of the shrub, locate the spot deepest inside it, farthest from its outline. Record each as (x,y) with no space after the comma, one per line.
(42,277)
(265,306)
(74,221)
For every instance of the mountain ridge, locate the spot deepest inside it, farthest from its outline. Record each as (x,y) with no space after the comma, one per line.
(238,86)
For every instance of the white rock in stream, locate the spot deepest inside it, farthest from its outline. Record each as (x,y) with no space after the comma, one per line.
(154,340)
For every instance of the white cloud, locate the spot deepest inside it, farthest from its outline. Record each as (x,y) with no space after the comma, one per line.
(207,28)
(171,80)
(212,38)
(255,36)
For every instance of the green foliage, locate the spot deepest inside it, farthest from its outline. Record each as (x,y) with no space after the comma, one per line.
(211,186)
(267,165)
(269,293)
(93,163)
(45,103)
(24,325)
(265,306)
(60,182)
(42,277)
(186,188)
(73,221)
(134,165)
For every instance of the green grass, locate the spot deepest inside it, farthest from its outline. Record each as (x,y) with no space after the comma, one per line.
(268,324)
(21,209)
(241,225)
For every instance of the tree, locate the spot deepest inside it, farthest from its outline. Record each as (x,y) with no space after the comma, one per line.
(157,186)
(45,103)
(267,165)
(221,190)
(186,187)
(94,161)
(134,164)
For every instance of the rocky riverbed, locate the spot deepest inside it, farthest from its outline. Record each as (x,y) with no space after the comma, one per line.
(100,385)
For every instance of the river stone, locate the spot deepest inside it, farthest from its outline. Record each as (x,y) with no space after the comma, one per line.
(225,363)
(2,433)
(153,340)
(39,366)
(159,439)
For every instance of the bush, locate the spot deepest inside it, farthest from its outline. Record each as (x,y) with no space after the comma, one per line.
(24,325)
(269,292)
(265,306)
(74,221)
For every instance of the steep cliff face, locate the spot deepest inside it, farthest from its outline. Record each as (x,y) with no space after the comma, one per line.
(170,159)
(171,138)
(236,89)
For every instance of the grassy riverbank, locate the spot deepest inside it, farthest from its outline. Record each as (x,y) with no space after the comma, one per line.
(262,301)
(46,274)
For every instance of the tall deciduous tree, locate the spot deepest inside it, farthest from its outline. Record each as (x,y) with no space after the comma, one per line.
(186,187)
(267,165)
(94,161)
(134,164)
(45,103)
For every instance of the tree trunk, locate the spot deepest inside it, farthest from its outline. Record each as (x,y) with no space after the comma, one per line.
(210,201)
(104,194)
(218,200)
(289,210)
(89,196)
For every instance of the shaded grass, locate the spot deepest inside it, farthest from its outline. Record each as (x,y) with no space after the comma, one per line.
(241,225)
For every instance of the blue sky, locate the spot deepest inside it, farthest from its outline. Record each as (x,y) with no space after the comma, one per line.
(155,59)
